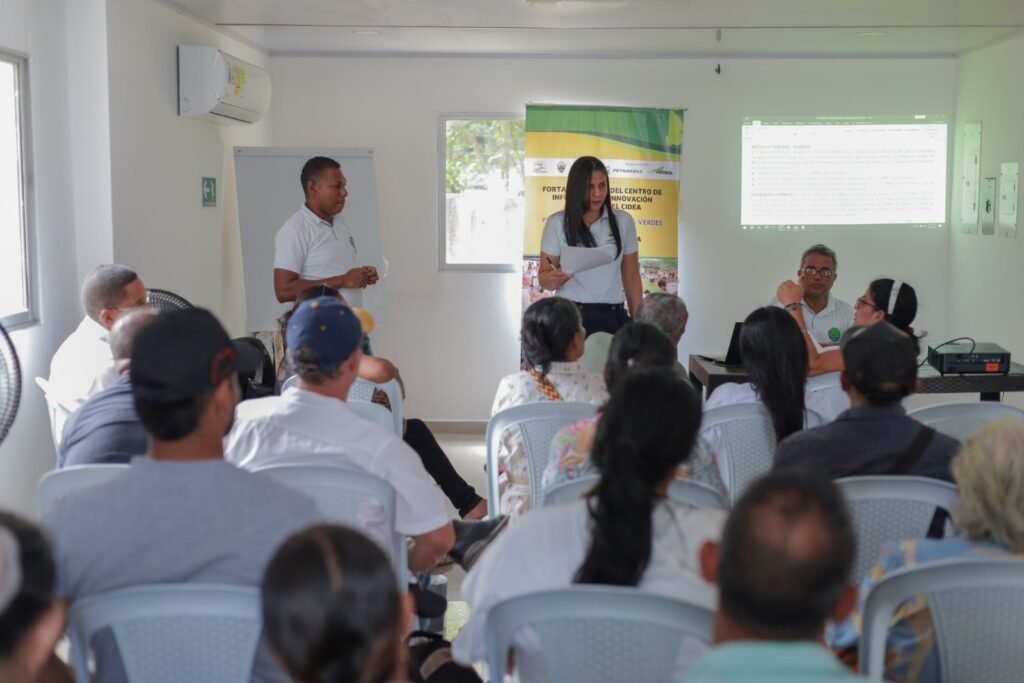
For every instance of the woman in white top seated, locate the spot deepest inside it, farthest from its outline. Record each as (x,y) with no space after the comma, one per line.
(553,340)
(774,355)
(624,533)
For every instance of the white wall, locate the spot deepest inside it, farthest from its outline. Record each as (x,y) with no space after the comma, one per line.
(987,274)
(158,160)
(455,334)
(35,28)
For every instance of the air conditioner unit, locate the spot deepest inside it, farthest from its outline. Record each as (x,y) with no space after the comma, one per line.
(218,87)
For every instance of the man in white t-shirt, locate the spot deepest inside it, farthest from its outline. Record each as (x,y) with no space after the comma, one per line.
(315,246)
(310,424)
(84,364)
(826,316)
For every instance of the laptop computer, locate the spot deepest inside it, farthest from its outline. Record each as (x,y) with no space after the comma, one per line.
(732,355)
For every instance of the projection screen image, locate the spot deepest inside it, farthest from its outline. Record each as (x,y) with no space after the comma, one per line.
(799,173)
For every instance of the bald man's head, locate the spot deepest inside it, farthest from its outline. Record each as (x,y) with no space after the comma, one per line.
(786,555)
(124,331)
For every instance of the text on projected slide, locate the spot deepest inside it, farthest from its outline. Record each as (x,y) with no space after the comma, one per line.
(799,173)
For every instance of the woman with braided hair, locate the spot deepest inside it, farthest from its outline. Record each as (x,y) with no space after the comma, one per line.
(552,338)
(625,532)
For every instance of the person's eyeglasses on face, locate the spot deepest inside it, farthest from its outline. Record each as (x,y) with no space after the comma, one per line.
(861,301)
(811,271)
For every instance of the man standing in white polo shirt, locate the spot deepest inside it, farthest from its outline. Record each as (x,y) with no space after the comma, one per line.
(826,316)
(315,246)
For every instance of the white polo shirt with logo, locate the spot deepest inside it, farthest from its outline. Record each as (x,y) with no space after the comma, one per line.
(317,249)
(827,326)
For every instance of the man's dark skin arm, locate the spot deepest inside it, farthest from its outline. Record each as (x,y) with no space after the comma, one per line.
(288,285)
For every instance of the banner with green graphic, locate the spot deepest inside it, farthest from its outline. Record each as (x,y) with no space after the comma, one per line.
(641,148)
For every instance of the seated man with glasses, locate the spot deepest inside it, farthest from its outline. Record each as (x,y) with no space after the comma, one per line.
(826,316)
(84,364)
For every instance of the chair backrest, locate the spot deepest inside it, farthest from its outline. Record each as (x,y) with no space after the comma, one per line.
(58,483)
(538,423)
(289,382)
(172,632)
(594,634)
(354,498)
(889,509)
(56,410)
(747,441)
(166,301)
(683,491)
(976,611)
(374,412)
(363,391)
(960,420)
(595,352)
(828,385)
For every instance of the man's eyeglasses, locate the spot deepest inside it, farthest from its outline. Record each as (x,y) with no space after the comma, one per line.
(811,271)
(864,302)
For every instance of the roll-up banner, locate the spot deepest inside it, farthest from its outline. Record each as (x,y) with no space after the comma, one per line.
(641,148)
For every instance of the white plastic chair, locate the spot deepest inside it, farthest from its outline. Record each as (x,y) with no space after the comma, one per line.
(57,411)
(960,420)
(374,412)
(172,632)
(829,386)
(353,498)
(887,509)
(683,491)
(58,483)
(363,391)
(976,611)
(595,352)
(538,423)
(597,634)
(747,440)
(291,381)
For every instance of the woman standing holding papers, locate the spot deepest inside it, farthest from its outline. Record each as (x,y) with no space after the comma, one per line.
(589,221)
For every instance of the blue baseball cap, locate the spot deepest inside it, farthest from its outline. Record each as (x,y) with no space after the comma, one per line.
(323,332)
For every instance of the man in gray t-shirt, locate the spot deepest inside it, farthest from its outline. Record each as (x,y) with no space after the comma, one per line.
(182,515)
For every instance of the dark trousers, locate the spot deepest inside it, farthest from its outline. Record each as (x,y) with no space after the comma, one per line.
(419,437)
(602,317)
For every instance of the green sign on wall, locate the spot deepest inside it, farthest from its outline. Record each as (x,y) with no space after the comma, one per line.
(209,192)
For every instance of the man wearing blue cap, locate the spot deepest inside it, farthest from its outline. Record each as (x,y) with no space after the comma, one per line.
(311,424)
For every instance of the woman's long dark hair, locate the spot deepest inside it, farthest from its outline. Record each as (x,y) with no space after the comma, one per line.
(577,202)
(646,430)
(637,345)
(38,582)
(775,356)
(905,310)
(331,608)
(549,326)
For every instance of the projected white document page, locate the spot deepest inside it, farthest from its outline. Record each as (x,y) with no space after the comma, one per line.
(799,173)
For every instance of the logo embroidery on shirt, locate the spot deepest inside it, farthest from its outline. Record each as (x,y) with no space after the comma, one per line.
(834,334)
(352,241)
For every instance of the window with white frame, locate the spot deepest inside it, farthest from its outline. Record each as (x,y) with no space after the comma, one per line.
(481,192)
(15,294)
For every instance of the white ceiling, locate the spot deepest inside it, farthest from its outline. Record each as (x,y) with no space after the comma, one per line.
(614,27)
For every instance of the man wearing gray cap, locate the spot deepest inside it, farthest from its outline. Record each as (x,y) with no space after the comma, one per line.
(875,436)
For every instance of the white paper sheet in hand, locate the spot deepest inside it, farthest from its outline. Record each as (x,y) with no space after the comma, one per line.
(577,259)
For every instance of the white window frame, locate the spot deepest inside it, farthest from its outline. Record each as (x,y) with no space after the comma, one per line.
(442,231)
(30,315)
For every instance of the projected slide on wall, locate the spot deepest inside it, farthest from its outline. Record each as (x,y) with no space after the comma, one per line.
(800,173)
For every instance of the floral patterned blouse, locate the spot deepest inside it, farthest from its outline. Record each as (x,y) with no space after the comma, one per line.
(574,383)
(570,458)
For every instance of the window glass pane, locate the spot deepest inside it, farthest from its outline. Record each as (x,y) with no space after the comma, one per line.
(483,191)
(13,294)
